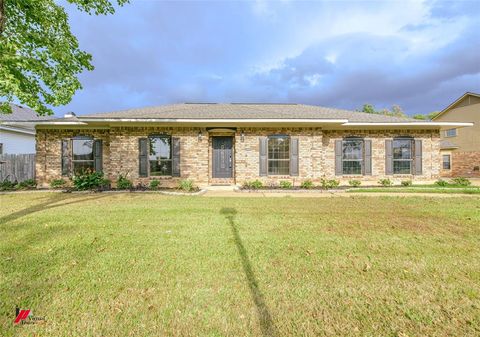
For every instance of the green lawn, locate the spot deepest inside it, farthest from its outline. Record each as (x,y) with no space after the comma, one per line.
(419,189)
(152,265)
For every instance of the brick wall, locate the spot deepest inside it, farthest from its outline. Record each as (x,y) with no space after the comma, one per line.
(316,153)
(464,164)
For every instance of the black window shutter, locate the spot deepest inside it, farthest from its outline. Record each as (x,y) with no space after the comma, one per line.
(143,157)
(263,149)
(176,157)
(338,158)
(418,157)
(66,160)
(388,157)
(294,156)
(98,154)
(368,158)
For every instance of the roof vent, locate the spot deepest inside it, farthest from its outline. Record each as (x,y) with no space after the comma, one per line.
(69,114)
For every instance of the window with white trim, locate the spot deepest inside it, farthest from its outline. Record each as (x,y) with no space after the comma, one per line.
(446,164)
(451,133)
(278,155)
(403,155)
(352,156)
(82,155)
(160,155)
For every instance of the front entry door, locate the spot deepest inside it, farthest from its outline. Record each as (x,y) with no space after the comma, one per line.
(222,157)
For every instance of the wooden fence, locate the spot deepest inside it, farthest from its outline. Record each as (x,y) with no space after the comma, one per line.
(19,167)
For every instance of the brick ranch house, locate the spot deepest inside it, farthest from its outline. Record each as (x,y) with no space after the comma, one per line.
(234,143)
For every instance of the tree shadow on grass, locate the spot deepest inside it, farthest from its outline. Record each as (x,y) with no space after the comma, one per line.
(266,322)
(50,203)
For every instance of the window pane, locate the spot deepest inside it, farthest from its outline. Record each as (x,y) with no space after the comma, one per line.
(402,149)
(279,155)
(352,149)
(352,167)
(81,166)
(279,167)
(82,149)
(446,162)
(450,133)
(402,166)
(160,167)
(278,147)
(160,156)
(160,147)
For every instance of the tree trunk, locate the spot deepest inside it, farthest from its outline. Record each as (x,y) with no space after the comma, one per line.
(2,16)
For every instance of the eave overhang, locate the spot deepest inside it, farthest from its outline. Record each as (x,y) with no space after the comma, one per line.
(217,122)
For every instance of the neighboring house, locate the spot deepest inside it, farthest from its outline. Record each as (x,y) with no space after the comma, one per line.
(18,139)
(460,148)
(234,143)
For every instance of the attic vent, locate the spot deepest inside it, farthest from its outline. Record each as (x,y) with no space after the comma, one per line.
(69,114)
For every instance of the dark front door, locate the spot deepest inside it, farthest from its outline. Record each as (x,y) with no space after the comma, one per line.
(222,157)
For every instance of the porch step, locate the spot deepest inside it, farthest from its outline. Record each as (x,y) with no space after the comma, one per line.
(222,181)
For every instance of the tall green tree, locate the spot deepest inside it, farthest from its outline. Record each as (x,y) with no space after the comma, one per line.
(396,110)
(429,116)
(40,58)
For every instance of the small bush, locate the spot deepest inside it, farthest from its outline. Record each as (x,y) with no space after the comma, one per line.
(7,185)
(26,184)
(461,181)
(253,185)
(123,183)
(354,183)
(186,185)
(441,183)
(328,184)
(406,183)
(154,184)
(306,184)
(286,184)
(88,180)
(58,183)
(385,182)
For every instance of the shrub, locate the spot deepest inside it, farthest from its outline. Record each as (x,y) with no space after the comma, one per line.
(253,185)
(354,183)
(406,183)
(58,183)
(385,182)
(88,180)
(441,182)
(26,184)
(286,184)
(461,181)
(186,185)
(123,183)
(307,184)
(154,184)
(7,185)
(328,184)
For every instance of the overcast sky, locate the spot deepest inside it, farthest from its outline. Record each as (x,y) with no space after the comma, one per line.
(421,55)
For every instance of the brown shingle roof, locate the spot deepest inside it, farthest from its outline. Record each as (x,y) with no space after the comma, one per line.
(245,111)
